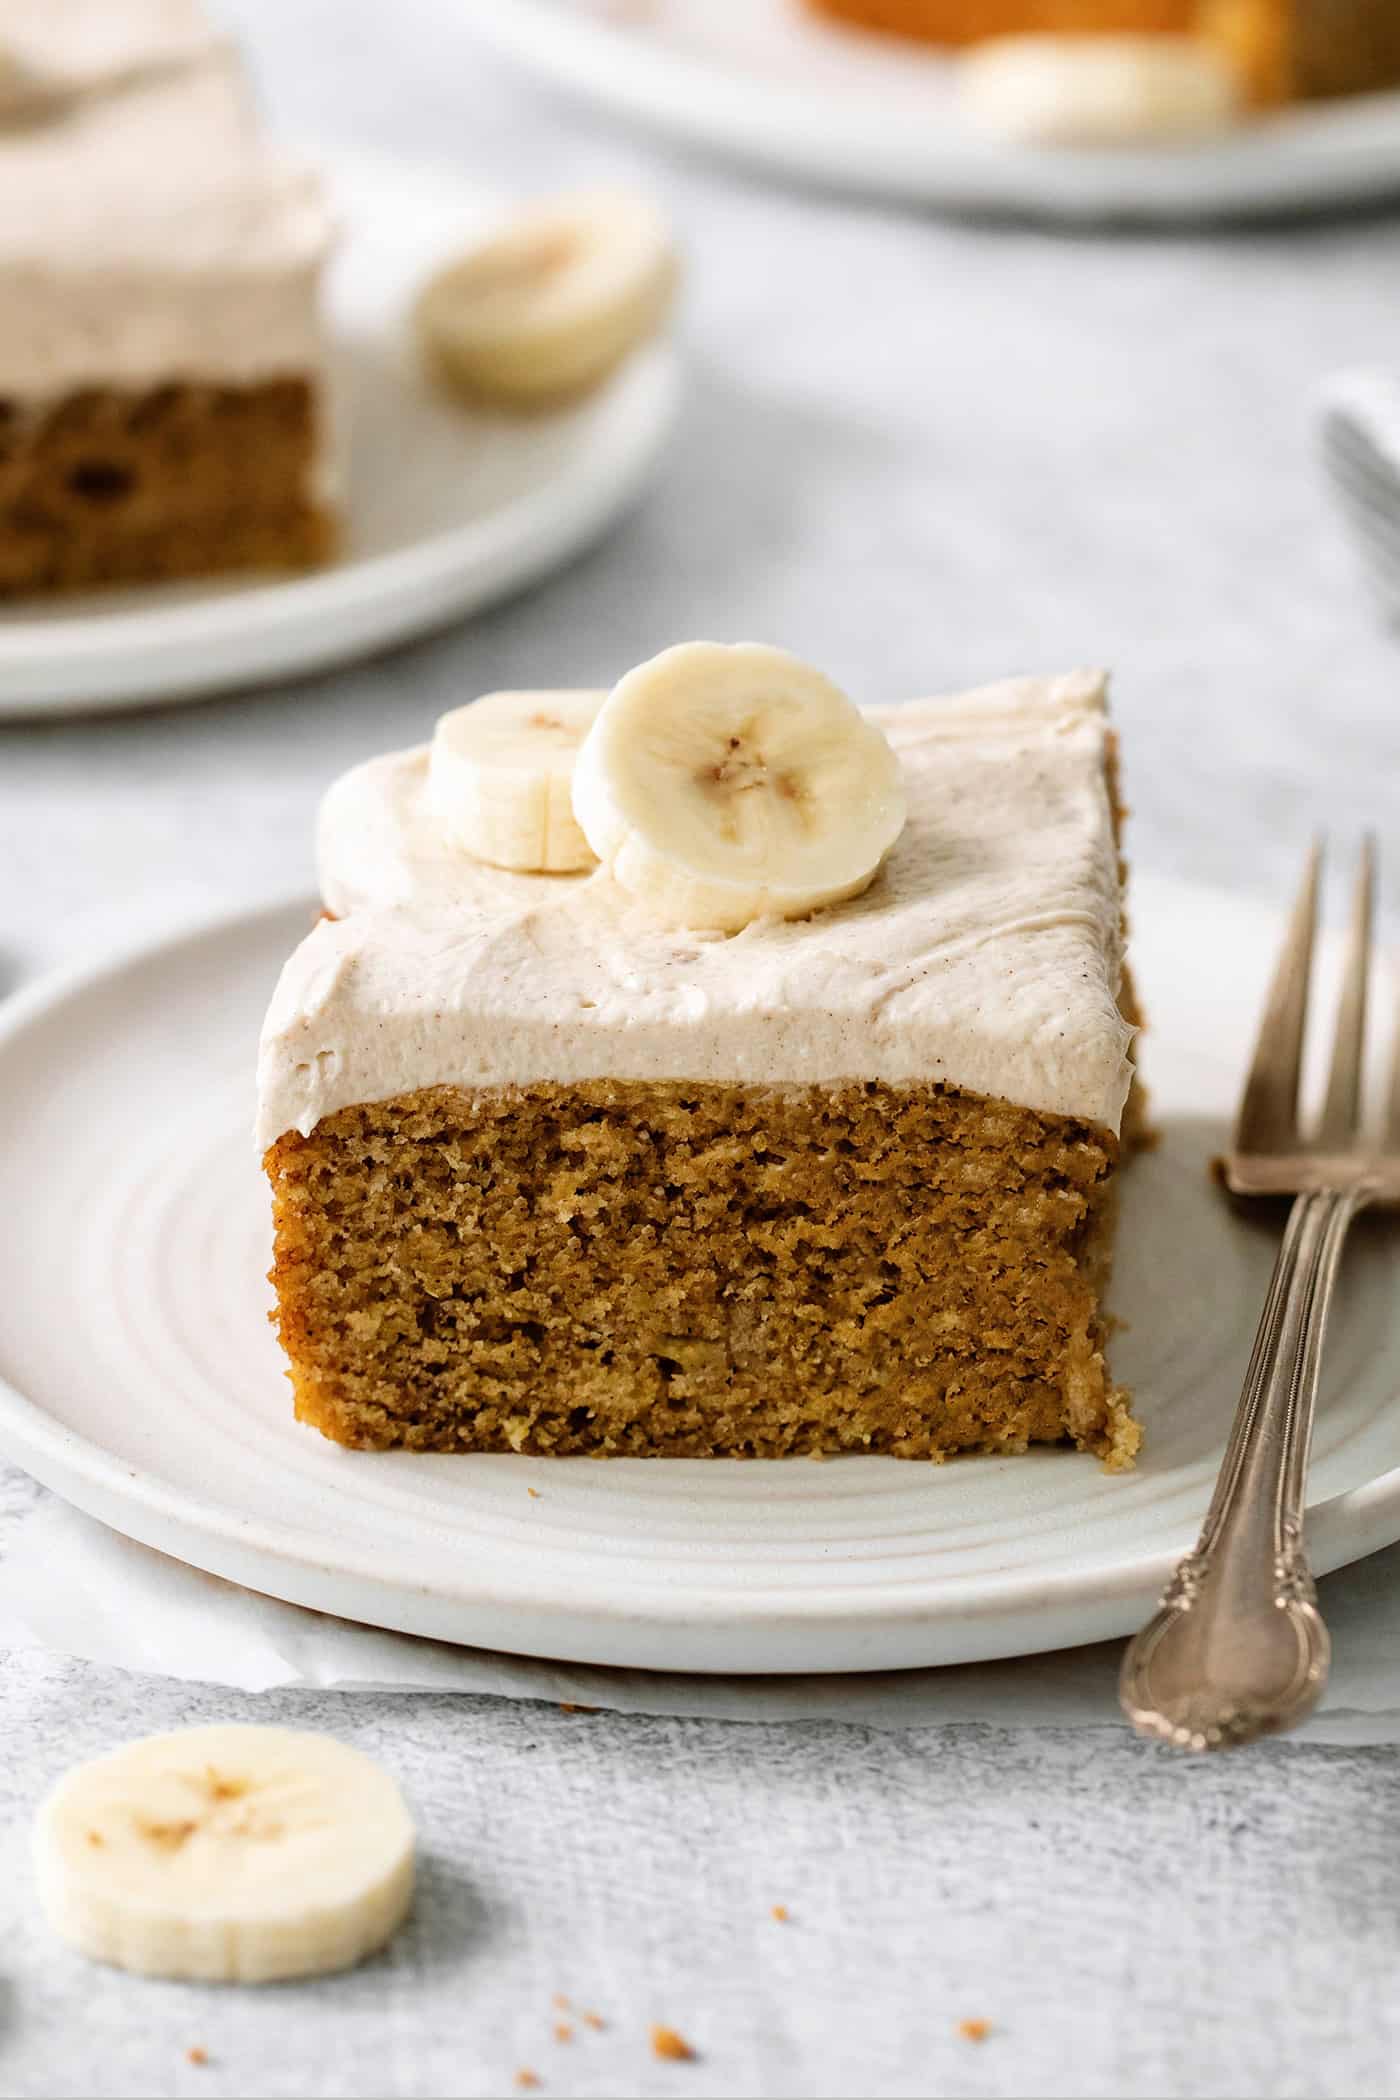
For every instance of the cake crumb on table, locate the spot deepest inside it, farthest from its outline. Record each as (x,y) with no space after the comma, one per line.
(197,2055)
(563,2032)
(533,1493)
(780,1914)
(560,2002)
(595,2021)
(526,2080)
(974,2030)
(670,2046)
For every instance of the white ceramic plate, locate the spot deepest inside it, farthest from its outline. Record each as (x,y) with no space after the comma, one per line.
(446,511)
(760,81)
(138,1375)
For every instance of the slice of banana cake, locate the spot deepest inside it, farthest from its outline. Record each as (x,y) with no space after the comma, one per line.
(788,1121)
(164,392)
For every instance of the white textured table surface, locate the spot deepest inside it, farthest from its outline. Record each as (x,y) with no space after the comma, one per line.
(922,455)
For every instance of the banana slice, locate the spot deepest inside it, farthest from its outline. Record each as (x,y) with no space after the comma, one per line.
(551,304)
(1097,91)
(723,784)
(228,1855)
(499,778)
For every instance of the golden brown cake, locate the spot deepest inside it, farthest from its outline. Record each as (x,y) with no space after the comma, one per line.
(969,21)
(552,1177)
(1283,50)
(1289,50)
(180,480)
(161,384)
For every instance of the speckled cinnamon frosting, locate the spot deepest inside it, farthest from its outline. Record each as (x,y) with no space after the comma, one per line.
(987,955)
(550,1180)
(148,233)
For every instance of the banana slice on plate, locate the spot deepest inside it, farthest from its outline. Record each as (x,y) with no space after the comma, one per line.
(721,784)
(549,306)
(1097,90)
(226,1855)
(499,779)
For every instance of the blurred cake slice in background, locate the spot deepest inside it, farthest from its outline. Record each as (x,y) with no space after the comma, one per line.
(1281,50)
(162,392)
(1293,50)
(969,21)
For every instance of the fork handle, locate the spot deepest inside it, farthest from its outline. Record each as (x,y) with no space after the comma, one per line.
(1238,1648)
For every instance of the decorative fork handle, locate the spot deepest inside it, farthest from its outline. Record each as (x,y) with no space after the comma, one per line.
(1238,1648)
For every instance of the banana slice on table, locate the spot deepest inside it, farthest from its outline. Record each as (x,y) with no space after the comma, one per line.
(1097,90)
(722,784)
(553,302)
(499,778)
(226,1855)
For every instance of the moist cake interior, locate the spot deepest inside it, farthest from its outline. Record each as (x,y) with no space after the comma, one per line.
(109,487)
(631,1269)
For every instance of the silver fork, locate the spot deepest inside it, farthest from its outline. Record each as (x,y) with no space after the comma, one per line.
(1237,1648)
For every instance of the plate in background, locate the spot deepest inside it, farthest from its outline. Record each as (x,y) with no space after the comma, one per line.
(759,81)
(446,510)
(139,1377)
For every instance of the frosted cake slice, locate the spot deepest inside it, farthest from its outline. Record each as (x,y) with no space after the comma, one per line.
(162,407)
(550,1176)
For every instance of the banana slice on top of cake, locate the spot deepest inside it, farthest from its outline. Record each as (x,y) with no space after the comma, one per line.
(793,1124)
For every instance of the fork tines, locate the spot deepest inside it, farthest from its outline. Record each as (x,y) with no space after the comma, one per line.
(1272,1152)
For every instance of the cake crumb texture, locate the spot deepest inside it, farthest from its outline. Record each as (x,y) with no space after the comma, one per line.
(178,480)
(651,1269)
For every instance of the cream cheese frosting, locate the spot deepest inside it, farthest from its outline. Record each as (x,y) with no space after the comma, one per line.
(987,955)
(147,233)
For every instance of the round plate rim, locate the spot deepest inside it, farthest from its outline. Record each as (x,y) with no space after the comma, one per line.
(965,1617)
(1301,160)
(137,656)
